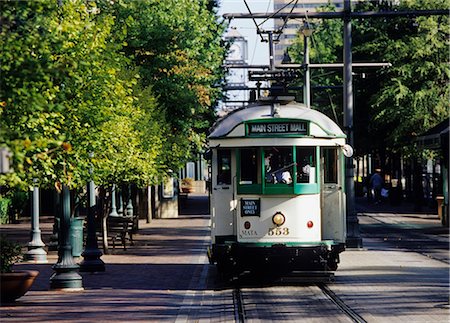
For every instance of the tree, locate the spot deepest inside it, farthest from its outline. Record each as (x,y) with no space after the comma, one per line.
(177,47)
(413,94)
(67,91)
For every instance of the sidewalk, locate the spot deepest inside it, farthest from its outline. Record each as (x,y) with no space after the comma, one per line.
(149,282)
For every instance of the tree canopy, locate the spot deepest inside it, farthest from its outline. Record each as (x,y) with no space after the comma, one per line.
(129,83)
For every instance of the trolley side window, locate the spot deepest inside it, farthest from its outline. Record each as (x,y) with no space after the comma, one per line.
(306,165)
(330,169)
(223,167)
(250,168)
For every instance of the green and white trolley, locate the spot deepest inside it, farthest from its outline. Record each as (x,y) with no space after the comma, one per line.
(277,190)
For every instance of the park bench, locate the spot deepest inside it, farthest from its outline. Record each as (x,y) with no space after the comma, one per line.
(120,227)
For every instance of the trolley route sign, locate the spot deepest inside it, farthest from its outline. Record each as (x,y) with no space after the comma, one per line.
(282,128)
(250,207)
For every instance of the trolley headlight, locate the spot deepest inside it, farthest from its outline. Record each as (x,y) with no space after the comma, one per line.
(278,219)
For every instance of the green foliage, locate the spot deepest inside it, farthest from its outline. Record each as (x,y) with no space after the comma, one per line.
(10,253)
(4,209)
(130,81)
(177,48)
(411,96)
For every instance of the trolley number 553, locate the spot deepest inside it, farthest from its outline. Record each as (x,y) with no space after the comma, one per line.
(278,231)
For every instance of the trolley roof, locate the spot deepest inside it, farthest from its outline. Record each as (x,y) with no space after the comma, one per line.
(293,111)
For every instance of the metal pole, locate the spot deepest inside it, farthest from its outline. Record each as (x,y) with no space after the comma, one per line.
(66,276)
(129,208)
(306,84)
(271,57)
(91,254)
(36,252)
(353,236)
(113,201)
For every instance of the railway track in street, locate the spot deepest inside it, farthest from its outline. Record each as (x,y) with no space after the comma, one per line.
(409,236)
(341,304)
(315,302)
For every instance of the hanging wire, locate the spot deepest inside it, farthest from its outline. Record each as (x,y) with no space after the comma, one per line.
(254,47)
(258,31)
(280,30)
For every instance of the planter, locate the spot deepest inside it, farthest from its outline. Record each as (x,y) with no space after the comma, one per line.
(187,189)
(16,284)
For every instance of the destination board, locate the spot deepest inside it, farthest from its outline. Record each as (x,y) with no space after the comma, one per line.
(250,207)
(285,128)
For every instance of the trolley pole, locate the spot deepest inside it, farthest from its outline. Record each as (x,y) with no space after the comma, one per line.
(354,239)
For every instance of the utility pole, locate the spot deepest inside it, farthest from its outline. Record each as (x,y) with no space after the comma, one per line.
(354,239)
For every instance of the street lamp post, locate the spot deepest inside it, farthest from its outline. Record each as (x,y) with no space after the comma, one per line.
(113,202)
(66,276)
(306,31)
(36,252)
(91,254)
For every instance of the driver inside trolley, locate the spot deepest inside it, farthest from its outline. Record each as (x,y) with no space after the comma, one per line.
(278,162)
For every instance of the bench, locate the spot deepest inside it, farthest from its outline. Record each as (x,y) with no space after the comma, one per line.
(120,227)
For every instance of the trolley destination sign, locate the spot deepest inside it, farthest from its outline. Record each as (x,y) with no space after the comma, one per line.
(250,207)
(277,128)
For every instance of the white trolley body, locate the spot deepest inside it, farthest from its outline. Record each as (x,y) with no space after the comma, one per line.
(277,190)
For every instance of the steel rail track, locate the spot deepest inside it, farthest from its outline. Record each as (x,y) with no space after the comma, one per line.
(341,304)
(418,235)
(239,310)
(240,316)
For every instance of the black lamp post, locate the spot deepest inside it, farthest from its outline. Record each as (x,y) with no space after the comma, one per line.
(66,276)
(91,254)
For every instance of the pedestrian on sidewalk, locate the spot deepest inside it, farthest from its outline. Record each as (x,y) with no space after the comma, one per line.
(376,183)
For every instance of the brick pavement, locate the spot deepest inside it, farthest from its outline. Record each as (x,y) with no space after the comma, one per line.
(149,282)
(165,277)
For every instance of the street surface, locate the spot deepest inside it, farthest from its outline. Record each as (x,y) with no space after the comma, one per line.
(401,275)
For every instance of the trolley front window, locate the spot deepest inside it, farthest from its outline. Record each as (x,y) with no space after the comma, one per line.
(306,160)
(250,167)
(277,170)
(278,163)
(223,167)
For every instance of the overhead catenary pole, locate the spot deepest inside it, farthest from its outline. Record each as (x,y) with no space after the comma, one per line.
(353,237)
(337,14)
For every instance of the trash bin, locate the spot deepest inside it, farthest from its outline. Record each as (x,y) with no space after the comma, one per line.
(76,236)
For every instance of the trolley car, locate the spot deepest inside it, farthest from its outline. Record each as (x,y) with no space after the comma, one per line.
(277,194)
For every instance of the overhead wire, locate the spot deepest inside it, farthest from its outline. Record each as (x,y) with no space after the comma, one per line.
(280,30)
(254,47)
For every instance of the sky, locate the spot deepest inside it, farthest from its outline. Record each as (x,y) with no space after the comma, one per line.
(258,52)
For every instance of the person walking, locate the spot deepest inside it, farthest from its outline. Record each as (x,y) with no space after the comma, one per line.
(376,183)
